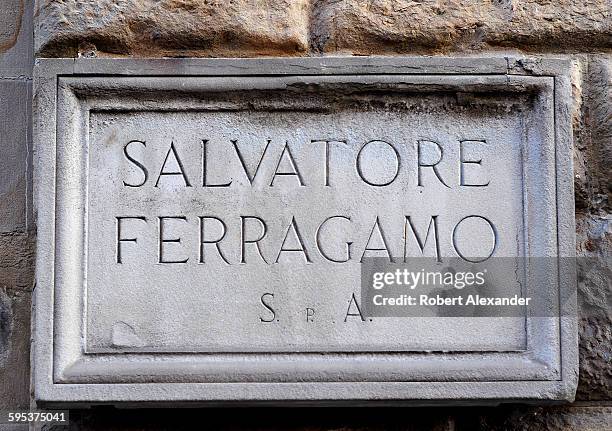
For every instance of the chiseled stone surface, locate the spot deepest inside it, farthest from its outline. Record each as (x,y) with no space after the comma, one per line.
(398,26)
(173,27)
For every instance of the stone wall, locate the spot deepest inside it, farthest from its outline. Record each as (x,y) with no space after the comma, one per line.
(579,30)
(16,230)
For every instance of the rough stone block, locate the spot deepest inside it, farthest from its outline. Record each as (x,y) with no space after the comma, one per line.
(396,26)
(14,349)
(173,27)
(598,117)
(16,278)
(594,230)
(594,243)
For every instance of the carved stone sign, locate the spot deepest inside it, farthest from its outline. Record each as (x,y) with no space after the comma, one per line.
(204,225)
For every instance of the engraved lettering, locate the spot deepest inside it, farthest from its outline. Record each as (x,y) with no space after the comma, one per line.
(349,313)
(294,170)
(298,237)
(463,162)
(251,177)
(433,223)
(145,172)
(493,233)
(244,241)
(205,168)
(318,235)
(268,307)
(433,166)
(163,240)
(333,236)
(181,171)
(310,314)
(120,238)
(327,155)
(216,242)
(381,235)
(360,167)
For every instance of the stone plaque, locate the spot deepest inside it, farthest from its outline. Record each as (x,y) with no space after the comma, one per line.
(205,228)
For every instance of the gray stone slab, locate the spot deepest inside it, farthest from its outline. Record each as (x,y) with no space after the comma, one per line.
(16,61)
(16,39)
(197,233)
(15,153)
(328,65)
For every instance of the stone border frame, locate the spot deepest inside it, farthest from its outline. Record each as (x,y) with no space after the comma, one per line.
(62,375)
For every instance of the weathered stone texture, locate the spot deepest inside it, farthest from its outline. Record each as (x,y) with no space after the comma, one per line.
(16,261)
(16,51)
(594,243)
(173,27)
(15,144)
(593,137)
(16,246)
(16,278)
(407,26)
(259,27)
(592,161)
(595,381)
(10,17)
(598,118)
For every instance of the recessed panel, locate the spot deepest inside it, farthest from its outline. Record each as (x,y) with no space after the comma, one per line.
(245,230)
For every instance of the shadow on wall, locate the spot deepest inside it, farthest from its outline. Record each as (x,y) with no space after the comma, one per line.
(507,417)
